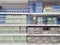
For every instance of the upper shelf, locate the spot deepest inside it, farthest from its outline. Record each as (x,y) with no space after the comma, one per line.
(13,1)
(23,1)
(35,14)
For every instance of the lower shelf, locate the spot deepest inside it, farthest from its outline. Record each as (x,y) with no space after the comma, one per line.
(13,34)
(13,44)
(25,44)
(44,35)
(43,44)
(30,35)
(29,24)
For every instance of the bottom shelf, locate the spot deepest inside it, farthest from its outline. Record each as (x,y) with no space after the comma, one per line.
(25,44)
(43,44)
(13,44)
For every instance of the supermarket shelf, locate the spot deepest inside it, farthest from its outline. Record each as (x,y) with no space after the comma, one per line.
(13,1)
(13,34)
(13,25)
(44,14)
(43,25)
(43,44)
(30,13)
(44,0)
(29,34)
(29,24)
(12,13)
(44,35)
(13,43)
(24,44)
(49,0)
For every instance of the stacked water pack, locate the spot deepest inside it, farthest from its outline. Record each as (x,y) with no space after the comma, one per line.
(23,19)
(2,18)
(23,10)
(51,20)
(47,20)
(55,7)
(9,29)
(29,19)
(31,7)
(47,8)
(39,20)
(35,7)
(13,39)
(12,29)
(15,19)
(39,7)
(22,29)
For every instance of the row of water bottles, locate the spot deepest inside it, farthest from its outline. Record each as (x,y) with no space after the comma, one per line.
(24,10)
(13,39)
(24,19)
(12,19)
